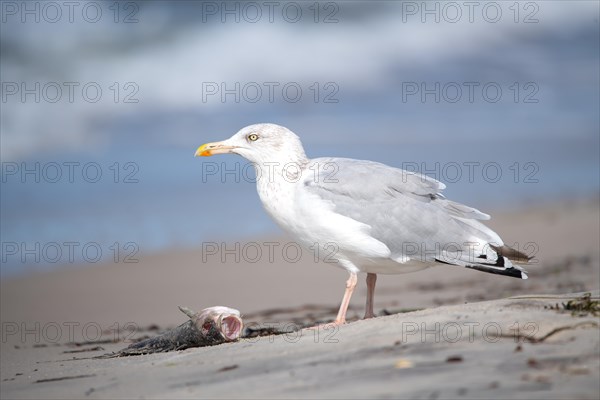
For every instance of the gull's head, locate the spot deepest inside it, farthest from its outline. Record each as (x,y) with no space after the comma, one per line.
(259,143)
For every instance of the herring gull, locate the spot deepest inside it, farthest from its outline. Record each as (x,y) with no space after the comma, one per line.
(365,216)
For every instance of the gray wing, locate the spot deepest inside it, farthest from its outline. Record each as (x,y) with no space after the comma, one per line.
(369,180)
(400,206)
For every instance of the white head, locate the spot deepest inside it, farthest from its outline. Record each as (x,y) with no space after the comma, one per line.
(259,143)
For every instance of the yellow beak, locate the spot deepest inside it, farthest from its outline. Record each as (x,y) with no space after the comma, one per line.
(209,149)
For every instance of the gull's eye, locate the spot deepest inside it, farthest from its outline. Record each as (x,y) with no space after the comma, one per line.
(253,137)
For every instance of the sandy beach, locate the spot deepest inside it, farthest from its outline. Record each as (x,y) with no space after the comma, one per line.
(512,338)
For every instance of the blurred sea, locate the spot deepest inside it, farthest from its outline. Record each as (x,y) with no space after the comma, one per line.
(541,134)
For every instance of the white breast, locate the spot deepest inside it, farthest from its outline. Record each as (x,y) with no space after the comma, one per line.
(313,223)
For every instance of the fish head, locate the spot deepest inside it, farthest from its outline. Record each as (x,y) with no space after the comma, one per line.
(220,324)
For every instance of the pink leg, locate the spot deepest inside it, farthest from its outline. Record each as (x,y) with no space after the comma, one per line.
(350,285)
(371,279)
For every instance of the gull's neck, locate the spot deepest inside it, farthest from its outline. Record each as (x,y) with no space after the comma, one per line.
(276,182)
(279,174)
(280,167)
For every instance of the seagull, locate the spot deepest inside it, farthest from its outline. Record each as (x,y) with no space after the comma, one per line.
(364,216)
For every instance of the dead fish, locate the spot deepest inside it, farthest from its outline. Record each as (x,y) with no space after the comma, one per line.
(211,326)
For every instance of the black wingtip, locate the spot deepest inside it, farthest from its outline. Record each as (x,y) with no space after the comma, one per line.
(512,272)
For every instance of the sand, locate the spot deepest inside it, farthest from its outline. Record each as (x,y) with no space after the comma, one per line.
(50,318)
